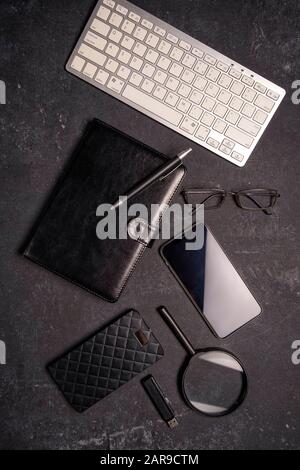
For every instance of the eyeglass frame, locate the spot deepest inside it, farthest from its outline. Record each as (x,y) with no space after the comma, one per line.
(273,193)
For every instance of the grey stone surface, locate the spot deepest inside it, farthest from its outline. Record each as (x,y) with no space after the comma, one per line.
(41,315)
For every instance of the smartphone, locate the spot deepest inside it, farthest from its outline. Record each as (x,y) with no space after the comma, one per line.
(211,282)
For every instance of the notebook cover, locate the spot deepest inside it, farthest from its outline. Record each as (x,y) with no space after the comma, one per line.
(106,165)
(105,361)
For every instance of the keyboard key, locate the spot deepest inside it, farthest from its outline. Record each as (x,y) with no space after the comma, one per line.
(122,10)
(197,52)
(102,77)
(185,45)
(249,94)
(209,59)
(189,61)
(136,79)
(152,40)
(224,96)
(222,66)
(202,133)
(134,17)
(160,77)
(153,105)
(232,117)
(271,94)
(264,103)
(213,143)
(172,99)
(201,67)
(95,40)
(115,20)
(128,26)
(115,84)
(140,33)
(225,81)
(91,54)
(235,73)
(212,90)
(184,90)
(112,50)
(183,106)
(236,103)
(176,70)
(195,112)
(100,27)
(188,76)
(115,36)
(220,110)
(208,103)
(247,80)
(237,156)
(172,84)
(148,85)
(160,31)
(89,70)
(196,97)
(239,137)
(111,65)
(160,92)
(200,83)
(207,119)
(164,47)
(140,49)
(148,70)
(176,54)
(123,72)
(136,63)
(260,116)
(237,88)
(164,63)
(172,38)
(128,43)
(219,126)
(152,56)
(213,74)
(124,57)
(248,110)
(147,24)
(225,150)
(109,3)
(259,87)
(78,63)
(227,143)
(189,125)
(103,13)
(249,126)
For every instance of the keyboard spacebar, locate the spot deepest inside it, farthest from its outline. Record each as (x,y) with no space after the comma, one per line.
(150,104)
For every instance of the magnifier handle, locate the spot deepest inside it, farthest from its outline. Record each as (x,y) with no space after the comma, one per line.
(176,329)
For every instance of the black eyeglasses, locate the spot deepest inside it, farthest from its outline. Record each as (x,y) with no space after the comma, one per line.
(247,199)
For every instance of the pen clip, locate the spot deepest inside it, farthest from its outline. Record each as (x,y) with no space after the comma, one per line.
(162,178)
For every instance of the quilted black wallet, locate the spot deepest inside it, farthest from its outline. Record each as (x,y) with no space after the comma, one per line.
(105,361)
(106,165)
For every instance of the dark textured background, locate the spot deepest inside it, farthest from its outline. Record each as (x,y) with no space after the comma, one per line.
(41,315)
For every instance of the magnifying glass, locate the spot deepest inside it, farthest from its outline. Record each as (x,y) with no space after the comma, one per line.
(214,381)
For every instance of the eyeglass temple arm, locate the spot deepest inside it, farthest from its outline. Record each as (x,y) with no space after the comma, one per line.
(266,211)
(176,330)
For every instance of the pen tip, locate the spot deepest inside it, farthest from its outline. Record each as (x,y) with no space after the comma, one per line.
(185,153)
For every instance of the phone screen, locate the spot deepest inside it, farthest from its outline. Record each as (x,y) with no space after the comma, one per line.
(212,283)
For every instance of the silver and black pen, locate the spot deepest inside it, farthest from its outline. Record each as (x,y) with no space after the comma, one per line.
(161,173)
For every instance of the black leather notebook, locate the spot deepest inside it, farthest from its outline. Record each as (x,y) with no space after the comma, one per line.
(105,166)
(105,361)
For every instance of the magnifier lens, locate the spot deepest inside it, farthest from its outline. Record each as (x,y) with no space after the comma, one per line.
(214,382)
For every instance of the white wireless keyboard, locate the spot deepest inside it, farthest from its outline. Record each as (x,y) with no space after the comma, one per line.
(175,79)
